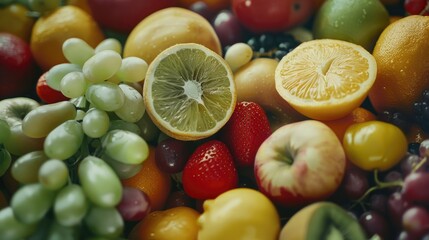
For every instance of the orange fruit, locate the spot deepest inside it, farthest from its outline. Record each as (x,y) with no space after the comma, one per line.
(403,69)
(358,115)
(215,5)
(151,180)
(173,223)
(15,19)
(50,31)
(325,79)
(167,27)
(82,4)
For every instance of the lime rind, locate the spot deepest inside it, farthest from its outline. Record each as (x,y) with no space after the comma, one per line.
(191,92)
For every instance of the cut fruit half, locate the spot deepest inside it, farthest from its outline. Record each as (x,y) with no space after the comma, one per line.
(189,91)
(326,79)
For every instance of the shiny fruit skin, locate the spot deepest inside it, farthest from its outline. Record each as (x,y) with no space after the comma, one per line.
(123,16)
(402,69)
(173,223)
(17,66)
(46,93)
(272,15)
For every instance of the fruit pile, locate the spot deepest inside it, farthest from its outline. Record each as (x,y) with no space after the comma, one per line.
(214,119)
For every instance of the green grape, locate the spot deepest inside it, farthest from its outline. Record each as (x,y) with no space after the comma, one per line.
(25,169)
(73,85)
(99,182)
(95,123)
(133,108)
(5,161)
(4,131)
(149,131)
(42,6)
(123,170)
(53,174)
(126,147)
(11,228)
(70,206)
(57,72)
(77,51)
(58,231)
(40,121)
(64,141)
(106,96)
(123,125)
(109,44)
(133,69)
(102,66)
(104,222)
(31,202)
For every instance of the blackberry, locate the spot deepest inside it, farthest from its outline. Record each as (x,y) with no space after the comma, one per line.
(272,45)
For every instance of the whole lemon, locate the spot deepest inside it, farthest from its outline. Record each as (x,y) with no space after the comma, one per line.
(167,27)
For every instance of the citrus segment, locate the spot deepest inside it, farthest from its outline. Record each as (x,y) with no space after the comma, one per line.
(325,79)
(189,91)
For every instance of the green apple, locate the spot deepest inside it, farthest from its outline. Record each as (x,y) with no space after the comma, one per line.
(357,21)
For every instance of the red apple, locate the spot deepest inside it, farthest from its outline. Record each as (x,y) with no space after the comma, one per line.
(17,66)
(124,15)
(272,15)
(300,163)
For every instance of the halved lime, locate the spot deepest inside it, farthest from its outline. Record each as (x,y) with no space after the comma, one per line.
(189,91)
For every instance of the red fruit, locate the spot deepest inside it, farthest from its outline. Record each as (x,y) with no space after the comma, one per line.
(46,93)
(209,171)
(245,131)
(417,7)
(17,66)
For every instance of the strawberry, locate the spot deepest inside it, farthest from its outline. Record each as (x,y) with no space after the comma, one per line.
(245,131)
(209,171)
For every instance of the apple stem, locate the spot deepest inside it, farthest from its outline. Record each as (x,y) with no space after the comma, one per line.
(378,185)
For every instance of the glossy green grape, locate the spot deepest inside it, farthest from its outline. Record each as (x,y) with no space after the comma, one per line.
(4,131)
(64,141)
(70,205)
(126,147)
(102,66)
(106,96)
(104,222)
(123,170)
(149,131)
(133,70)
(31,202)
(25,169)
(120,124)
(99,182)
(53,174)
(58,231)
(133,108)
(77,51)
(57,72)
(5,161)
(95,123)
(11,228)
(109,44)
(73,85)
(42,120)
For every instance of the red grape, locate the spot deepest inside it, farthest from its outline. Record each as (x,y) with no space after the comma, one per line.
(417,7)
(396,206)
(227,28)
(171,155)
(378,202)
(179,198)
(355,182)
(409,163)
(375,223)
(134,205)
(415,185)
(416,221)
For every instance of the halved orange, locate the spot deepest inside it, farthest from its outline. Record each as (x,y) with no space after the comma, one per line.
(326,79)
